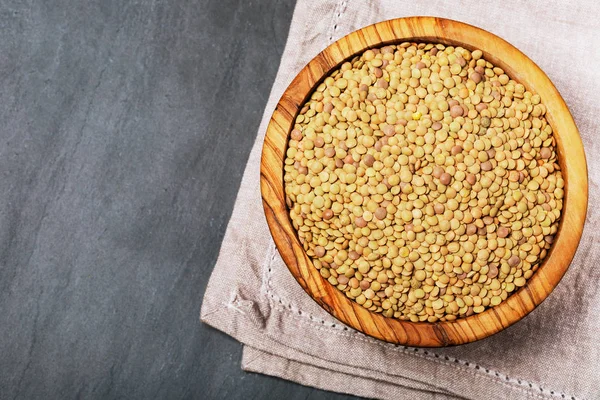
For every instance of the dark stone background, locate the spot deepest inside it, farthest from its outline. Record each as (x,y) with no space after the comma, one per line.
(124,130)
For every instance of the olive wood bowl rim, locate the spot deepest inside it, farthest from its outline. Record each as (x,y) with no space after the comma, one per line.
(570,154)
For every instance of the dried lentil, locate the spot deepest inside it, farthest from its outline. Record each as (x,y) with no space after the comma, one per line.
(424,182)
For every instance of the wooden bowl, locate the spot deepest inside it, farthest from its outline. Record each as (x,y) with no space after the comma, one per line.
(571,159)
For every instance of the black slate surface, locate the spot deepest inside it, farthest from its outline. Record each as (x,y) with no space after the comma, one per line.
(124,130)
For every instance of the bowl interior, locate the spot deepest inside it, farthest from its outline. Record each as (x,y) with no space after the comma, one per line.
(571,159)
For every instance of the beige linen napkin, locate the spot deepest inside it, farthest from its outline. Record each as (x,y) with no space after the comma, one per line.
(553,353)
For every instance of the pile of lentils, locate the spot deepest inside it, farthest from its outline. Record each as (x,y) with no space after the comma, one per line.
(423,181)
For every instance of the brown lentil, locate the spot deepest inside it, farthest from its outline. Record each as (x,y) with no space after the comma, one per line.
(424,182)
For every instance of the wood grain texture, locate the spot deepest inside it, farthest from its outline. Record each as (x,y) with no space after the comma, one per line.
(571,159)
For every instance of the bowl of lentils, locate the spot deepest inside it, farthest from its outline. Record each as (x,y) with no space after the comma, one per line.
(424,182)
